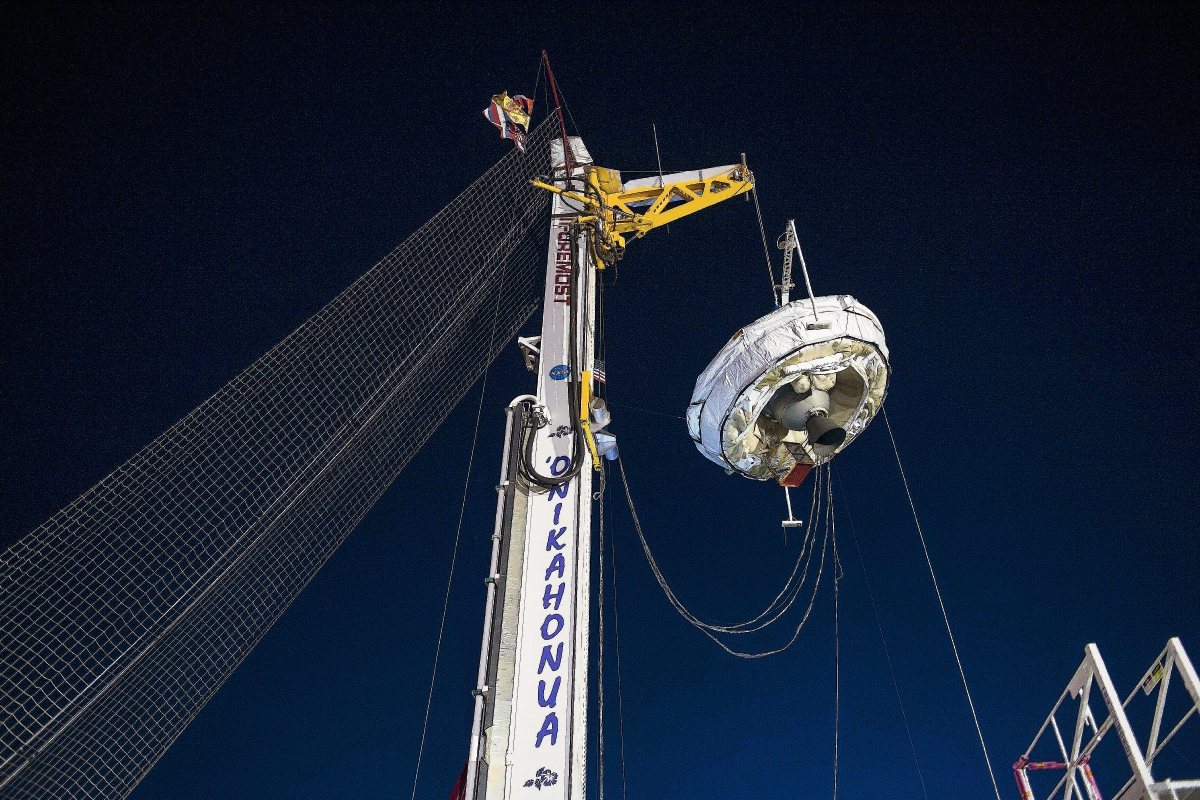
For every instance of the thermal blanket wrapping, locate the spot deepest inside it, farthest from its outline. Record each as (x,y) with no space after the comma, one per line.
(839,348)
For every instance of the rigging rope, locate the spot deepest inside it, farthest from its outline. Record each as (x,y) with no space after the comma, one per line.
(942,605)
(749,625)
(449,581)
(606,524)
(766,250)
(600,648)
(612,545)
(647,411)
(809,545)
(563,95)
(837,662)
(538,82)
(601,352)
(887,654)
(457,536)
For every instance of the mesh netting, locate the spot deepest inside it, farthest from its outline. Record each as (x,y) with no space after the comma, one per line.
(128,609)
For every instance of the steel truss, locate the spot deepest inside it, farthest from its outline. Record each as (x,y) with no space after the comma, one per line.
(1075,760)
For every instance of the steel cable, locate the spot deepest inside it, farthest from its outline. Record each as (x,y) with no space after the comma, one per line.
(883,639)
(837,663)
(612,545)
(942,606)
(778,605)
(706,628)
(766,250)
(600,649)
(462,509)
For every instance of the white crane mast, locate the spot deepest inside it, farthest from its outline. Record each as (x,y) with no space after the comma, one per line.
(529,732)
(533,733)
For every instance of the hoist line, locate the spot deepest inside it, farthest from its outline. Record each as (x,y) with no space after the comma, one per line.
(606,522)
(647,411)
(766,250)
(612,546)
(806,544)
(449,581)
(945,617)
(560,93)
(600,647)
(787,595)
(704,627)
(816,585)
(789,589)
(538,82)
(886,653)
(457,537)
(837,661)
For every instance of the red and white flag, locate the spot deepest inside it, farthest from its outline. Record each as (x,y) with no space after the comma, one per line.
(511,116)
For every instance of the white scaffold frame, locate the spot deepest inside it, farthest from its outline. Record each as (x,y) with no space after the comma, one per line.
(1141,784)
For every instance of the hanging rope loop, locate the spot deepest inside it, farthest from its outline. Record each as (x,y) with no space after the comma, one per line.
(822,503)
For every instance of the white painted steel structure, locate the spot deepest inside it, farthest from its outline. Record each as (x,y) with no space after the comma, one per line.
(787,242)
(532,740)
(1078,781)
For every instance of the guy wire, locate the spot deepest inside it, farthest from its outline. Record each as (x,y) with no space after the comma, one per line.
(886,653)
(837,662)
(600,648)
(606,521)
(942,605)
(457,536)
(538,81)
(612,546)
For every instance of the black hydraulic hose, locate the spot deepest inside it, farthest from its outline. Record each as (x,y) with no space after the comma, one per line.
(529,426)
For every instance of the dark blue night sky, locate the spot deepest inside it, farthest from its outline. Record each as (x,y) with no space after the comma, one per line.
(1012,189)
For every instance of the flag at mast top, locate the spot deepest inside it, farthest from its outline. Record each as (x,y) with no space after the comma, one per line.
(510,115)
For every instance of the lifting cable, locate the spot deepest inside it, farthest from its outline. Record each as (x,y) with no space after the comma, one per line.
(538,82)
(837,662)
(766,250)
(786,595)
(822,501)
(647,411)
(782,602)
(942,605)
(600,647)
(604,496)
(612,545)
(446,603)
(887,654)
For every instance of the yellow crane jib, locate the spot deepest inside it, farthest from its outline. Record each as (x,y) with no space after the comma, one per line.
(614,209)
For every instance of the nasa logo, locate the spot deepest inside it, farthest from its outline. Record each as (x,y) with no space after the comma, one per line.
(560,372)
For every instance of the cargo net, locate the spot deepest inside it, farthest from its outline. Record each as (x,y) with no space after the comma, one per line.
(128,609)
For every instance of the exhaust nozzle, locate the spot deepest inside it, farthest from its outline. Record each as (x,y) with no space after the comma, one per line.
(823,431)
